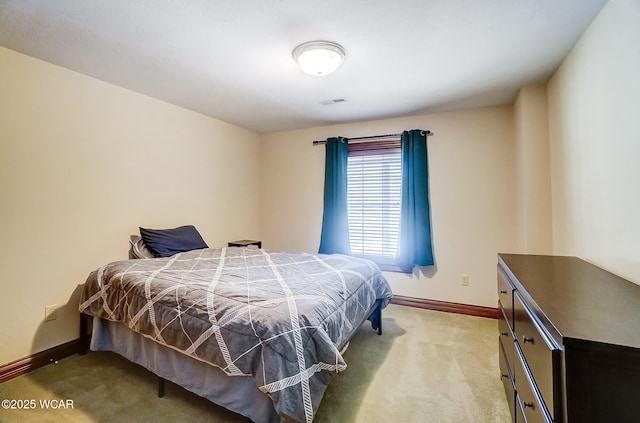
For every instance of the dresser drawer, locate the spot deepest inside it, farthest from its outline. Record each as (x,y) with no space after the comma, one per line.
(505,295)
(506,376)
(506,338)
(528,398)
(539,353)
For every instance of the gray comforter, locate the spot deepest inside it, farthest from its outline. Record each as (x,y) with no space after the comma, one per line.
(280,318)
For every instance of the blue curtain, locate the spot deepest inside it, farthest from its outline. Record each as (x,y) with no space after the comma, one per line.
(335,224)
(414,245)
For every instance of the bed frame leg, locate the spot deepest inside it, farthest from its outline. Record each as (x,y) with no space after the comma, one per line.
(376,317)
(379,315)
(84,333)
(160,387)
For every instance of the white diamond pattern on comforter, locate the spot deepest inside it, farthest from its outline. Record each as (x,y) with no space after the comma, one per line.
(280,318)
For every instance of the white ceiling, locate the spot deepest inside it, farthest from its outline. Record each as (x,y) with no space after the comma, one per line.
(231,59)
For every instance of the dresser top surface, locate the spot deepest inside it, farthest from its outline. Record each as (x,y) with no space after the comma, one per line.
(581,300)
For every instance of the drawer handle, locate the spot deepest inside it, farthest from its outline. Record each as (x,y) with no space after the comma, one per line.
(525,340)
(503,376)
(504,333)
(502,291)
(528,405)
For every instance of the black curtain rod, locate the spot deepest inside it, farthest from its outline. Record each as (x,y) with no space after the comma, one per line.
(373,137)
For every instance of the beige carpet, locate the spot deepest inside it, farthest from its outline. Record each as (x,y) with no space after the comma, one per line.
(427,366)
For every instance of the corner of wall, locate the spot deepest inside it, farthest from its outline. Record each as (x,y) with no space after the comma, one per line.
(533,170)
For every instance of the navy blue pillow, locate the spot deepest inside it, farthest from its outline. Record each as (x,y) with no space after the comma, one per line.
(167,242)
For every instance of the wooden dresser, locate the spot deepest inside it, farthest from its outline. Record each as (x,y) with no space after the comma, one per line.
(569,341)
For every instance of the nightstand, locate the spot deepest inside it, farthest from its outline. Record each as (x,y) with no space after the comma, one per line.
(245,243)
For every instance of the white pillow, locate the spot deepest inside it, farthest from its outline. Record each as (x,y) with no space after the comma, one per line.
(138,249)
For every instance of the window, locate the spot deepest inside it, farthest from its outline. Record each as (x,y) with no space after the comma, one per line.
(363,190)
(374,189)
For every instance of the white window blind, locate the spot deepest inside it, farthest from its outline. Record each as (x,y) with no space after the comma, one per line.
(374,184)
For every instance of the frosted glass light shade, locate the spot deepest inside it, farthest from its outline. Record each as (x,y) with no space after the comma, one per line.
(319,58)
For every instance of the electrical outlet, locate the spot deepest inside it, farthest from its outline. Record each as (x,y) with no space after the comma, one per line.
(50,312)
(464,280)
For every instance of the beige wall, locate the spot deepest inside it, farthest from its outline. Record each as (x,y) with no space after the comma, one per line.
(532,159)
(594,109)
(82,165)
(471,159)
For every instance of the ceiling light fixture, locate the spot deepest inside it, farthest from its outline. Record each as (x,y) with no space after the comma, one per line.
(319,58)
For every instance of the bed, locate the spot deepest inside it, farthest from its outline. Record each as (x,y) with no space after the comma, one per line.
(259,332)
